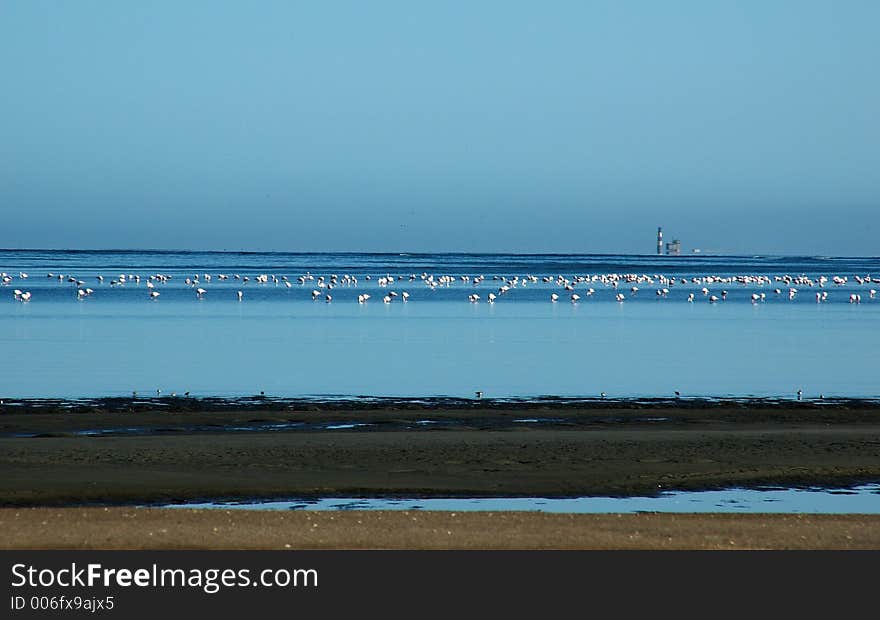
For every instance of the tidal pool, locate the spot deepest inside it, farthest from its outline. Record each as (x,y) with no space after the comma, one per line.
(862,499)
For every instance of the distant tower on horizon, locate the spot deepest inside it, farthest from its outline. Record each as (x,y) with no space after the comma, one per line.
(659,241)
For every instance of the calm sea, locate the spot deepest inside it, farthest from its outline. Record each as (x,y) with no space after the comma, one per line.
(279,340)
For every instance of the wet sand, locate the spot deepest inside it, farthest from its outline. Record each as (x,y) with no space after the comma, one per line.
(464,452)
(153,455)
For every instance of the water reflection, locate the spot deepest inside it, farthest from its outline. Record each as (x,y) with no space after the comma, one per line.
(863,499)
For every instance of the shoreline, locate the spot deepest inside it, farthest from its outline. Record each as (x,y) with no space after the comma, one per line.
(366,402)
(226,414)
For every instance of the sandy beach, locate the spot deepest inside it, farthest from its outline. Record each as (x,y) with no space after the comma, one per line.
(151,528)
(50,468)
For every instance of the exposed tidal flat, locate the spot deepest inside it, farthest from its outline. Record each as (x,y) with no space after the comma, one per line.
(144,452)
(72,471)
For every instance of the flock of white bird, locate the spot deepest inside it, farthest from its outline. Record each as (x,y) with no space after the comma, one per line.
(783,285)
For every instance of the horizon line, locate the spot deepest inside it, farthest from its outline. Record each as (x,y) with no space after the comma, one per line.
(705,253)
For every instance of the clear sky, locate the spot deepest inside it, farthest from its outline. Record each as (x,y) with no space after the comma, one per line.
(488,126)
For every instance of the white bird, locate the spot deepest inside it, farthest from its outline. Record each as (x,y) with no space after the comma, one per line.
(200,292)
(154,294)
(239,294)
(691,297)
(491,298)
(405,296)
(554,298)
(574,298)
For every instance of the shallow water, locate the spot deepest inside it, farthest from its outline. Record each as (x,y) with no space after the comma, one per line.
(863,499)
(279,341)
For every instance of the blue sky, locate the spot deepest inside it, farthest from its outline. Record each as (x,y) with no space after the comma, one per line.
(740,127)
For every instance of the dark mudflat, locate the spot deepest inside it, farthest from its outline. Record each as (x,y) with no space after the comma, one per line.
(409,448)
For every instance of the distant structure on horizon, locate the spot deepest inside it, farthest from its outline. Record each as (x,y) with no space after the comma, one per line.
(673,248)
